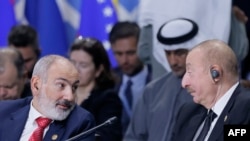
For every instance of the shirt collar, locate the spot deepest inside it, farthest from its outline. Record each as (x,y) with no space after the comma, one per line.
(33,113)
(221,103)
(137,77)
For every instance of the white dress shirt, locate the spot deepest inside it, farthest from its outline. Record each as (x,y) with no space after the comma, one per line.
(217,109)
(31,124)
(138,84)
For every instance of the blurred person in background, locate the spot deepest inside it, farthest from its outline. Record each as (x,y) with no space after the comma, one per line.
(153,13)
(133,75)
(25,39)
(155,113)
(96,88)
(13,75)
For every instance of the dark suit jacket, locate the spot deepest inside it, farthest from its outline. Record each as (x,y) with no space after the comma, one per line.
(192,115)
(104,104)
(14,113)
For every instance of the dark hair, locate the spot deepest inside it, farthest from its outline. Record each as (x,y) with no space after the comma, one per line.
(22,36)
(123,30)
(100,57)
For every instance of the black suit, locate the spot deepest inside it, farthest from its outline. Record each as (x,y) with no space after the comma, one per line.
(192,115)
(104,104)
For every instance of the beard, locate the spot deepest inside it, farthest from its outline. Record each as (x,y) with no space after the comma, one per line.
(50,107)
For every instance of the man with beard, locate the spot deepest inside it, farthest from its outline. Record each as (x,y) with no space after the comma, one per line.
(132,73)
(54,82)
(154,115)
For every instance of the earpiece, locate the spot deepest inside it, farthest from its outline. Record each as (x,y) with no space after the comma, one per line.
(214,73)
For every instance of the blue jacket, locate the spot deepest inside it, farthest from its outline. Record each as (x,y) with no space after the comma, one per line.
(14,113)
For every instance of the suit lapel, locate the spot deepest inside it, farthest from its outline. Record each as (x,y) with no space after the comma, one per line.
(56,131)
(195,123)
(14,125)
(224,117)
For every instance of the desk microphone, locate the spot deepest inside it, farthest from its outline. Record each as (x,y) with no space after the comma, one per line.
(107,122)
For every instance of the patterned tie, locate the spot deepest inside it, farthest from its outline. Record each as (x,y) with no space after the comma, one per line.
(208,120)
(37,135)
(128,93)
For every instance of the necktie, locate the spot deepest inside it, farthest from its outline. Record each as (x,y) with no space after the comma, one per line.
(37,135)
(128,93)
(208,120)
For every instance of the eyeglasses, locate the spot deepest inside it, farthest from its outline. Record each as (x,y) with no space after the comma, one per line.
(86,41)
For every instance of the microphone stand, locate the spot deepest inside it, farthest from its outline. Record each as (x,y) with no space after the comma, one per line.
(108,122)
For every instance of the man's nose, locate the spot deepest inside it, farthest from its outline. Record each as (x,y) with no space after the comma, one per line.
(69,94)
(184,82)
(172,59)
(124,59)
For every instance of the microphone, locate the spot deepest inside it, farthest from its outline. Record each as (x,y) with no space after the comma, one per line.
(106,123)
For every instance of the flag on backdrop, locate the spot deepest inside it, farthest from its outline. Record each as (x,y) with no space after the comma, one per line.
(45,17)
(58,22)
(7,19)
(97,19)
(70,12)
(127,9)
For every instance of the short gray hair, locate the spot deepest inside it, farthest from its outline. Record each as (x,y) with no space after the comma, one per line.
(13,56)
(43,64)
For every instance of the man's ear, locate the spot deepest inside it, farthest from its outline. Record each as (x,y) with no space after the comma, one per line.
(35,84)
